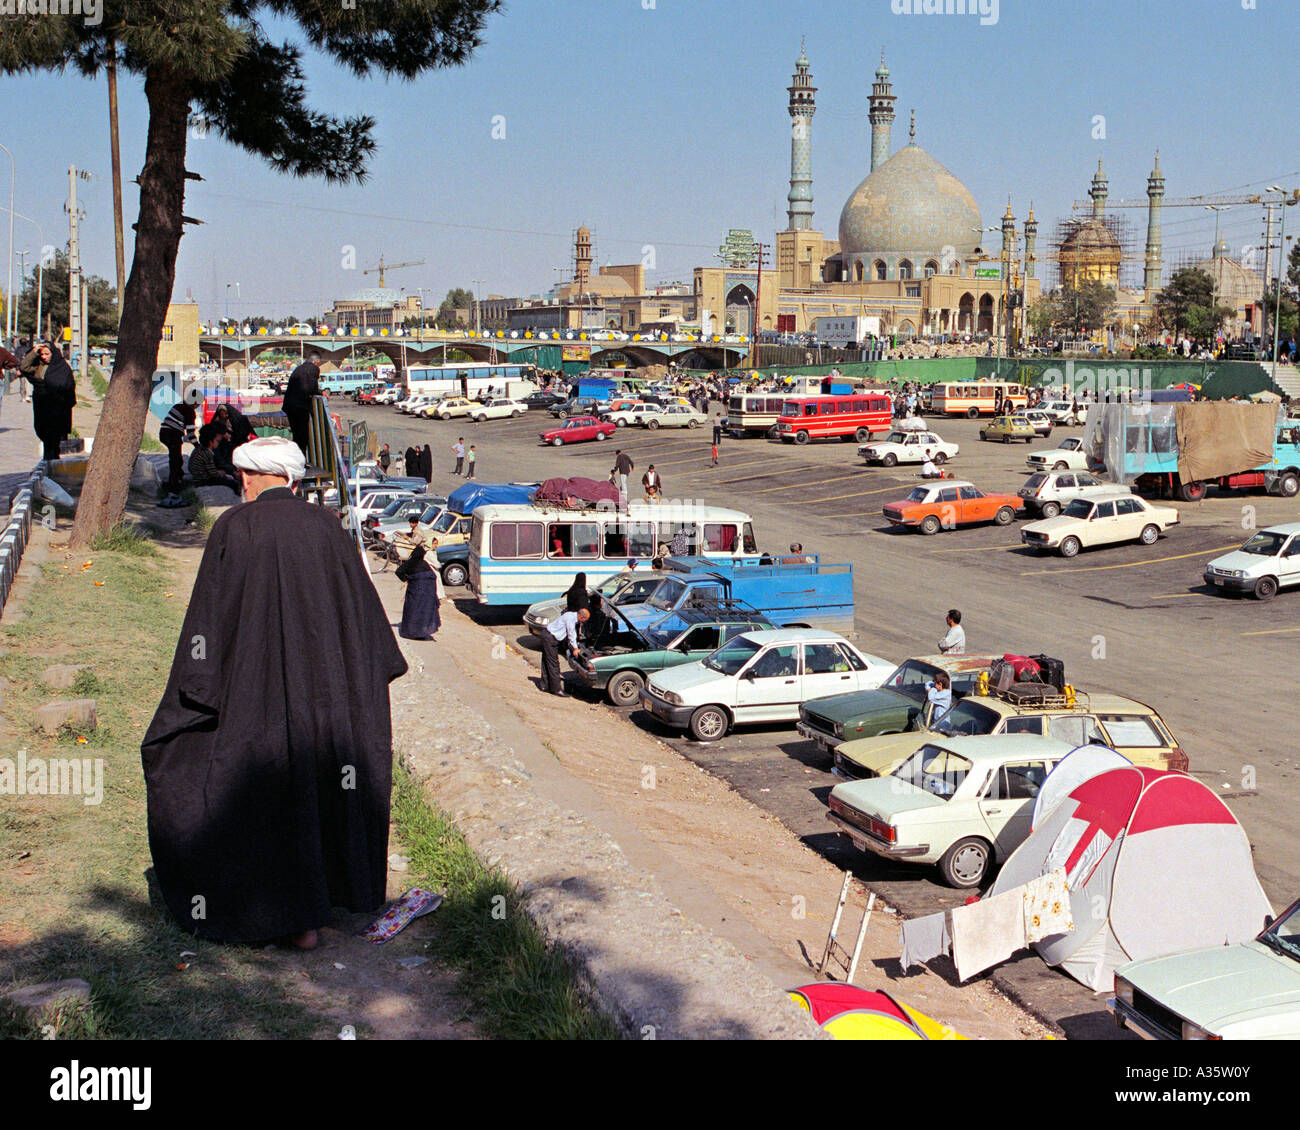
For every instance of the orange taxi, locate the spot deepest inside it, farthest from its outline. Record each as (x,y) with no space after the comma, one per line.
(948,503)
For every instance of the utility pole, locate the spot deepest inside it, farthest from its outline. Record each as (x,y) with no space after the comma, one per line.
(117,176)
(22,279)
(76,311)
(1268,259)
(758,295)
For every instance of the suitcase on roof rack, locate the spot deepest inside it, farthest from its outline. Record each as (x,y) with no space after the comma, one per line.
(1053,671)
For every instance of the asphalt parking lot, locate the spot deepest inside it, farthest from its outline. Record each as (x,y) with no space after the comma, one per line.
(1129,619)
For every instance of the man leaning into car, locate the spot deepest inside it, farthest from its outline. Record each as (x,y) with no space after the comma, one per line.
(562,628)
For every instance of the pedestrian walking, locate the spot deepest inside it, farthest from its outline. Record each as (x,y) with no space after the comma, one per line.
(54,393)
(177,428)
(623,466)
(421,618)
(253,837)
(458,450)
(652,484)
(717,431)
(471,460)
(563,629)
(304,383)
(954,643)
(384,459)
(715,454)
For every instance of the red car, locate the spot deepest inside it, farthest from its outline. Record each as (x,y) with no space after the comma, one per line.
(578,428)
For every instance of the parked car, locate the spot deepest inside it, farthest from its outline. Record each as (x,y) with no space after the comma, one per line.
(898,704)
(759,677)
(1130,727)
(543,399)
(1049,492)
(624,417)
(453,564)
(449,407)
(673,416)
(1268,560)
(412,405)
(620,589)
(498,409)
(451,528)
(949,503)
(960,802)
(400,509)
(1007,428)
(1042,423)
(1062,411)
(376,500)
(1069,455)
(1241,992)
(578,406)
(1104,520)
(622,657)
(389,395)
(578,429)
(908,447)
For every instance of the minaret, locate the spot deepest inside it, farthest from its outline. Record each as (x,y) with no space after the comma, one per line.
(1155,197)
(803,104)
(1008,234)
(582,260)
(1099,192)
(882,115)
(1031,240)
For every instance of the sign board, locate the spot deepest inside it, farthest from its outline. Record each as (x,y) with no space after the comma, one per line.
(988,272)
(739,248)
(358,443)
(846,329)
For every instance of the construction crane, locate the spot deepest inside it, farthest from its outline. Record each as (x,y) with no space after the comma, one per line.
(382,267)
(1190,201)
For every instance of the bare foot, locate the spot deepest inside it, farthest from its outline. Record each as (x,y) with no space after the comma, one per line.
(307,940)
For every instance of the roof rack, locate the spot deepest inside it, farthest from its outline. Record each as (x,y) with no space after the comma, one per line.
(1042,696)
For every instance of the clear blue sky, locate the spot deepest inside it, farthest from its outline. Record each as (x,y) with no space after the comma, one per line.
(667,125)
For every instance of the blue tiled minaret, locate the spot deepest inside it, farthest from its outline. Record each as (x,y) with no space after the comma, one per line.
(1155,200)
(803,104)
(882,115)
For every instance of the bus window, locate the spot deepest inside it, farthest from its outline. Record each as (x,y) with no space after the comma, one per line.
(750,542)
(575,539)
(860,406)
(810,409)
(719,538)
(641,539)
(516,539)
(669,530)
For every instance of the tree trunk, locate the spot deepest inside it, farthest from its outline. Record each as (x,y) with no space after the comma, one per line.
(148,292)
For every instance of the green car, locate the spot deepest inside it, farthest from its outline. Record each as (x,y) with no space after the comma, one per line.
(621,656)
(894,707)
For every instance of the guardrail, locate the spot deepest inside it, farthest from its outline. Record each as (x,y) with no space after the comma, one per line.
(17,532)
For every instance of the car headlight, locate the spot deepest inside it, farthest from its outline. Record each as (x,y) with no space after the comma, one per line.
(839,729)
(541,621)
(1123,990)
(1196,1032)
(1232,573)
(671,698)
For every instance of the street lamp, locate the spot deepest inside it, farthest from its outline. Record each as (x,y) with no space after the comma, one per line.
(9,293)
(1281,257)
(40,272)
(478,307)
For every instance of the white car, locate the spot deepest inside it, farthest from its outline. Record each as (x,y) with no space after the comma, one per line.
(1042,422)
(375,500)
(960,802)
(497,410)
(1268,561)
(447,407)
(412,404)
(1049,492)
(673,416)
(626,417)
(908,447)
(1069,455)
(387,396)
(1104,520)
(1062,412)
(760,677)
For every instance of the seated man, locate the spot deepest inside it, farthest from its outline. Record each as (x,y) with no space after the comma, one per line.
(203,461)
(928,469)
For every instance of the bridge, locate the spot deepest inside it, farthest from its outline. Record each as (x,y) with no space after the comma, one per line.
(638,351)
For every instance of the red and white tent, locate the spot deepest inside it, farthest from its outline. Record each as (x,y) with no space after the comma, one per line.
(1155,864)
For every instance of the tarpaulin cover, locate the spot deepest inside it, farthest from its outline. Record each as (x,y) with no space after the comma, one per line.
(850,1013)
(1225,440)
(468,498)
(583,490)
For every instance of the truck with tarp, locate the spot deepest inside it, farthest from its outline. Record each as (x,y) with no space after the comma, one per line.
(1181,450)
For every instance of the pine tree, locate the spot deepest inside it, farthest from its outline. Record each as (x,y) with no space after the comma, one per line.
(214,60)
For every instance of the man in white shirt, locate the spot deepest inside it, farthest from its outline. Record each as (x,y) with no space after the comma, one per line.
(562,628)
(458,450)
(928,469)
(954,643)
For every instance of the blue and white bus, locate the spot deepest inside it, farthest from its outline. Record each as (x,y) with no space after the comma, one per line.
(523,554)
(472,379)
(347,380)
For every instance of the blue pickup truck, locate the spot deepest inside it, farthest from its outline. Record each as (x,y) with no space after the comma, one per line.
(792,594)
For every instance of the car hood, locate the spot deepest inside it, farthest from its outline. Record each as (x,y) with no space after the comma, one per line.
(1238,560)
(858,704)
(881,754)
(687,677)
(885,797)
(1222,986)
(1053,453)
(1053,525)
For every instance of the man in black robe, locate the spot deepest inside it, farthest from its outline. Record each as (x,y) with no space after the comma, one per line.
(304,383)
(54,393)
(268,764)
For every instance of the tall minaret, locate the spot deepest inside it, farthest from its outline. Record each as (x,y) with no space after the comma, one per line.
(1008,234)
(882,115)
(803,104)
(1099,192)
(1031,241)
(1155,197)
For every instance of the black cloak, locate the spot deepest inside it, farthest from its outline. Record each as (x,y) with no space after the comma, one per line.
(420,616)
(268,764)
(304,383)
(53,398)
(411,461)
(426,464)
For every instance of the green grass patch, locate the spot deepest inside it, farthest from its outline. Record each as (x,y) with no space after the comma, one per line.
(519,986)
(204,519)
(127,538)
(149,444)
(98,382)
(75,888)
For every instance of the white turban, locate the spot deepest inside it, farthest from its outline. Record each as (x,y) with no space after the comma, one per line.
(271,455)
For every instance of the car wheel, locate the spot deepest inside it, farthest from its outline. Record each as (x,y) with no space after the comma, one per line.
(1265,588)
(1150,535)
(930,524)
(965,863)
(652,424)
(1004,516)
(940,459)
(624,689)
(557,442)
(971,413)
(692,423)
(602,435)
(1070,547)
(890,459)
(708,724)
(800,437)
(516,412)
(1288,486)
(1060,465)
(454,575)
(1006,439)
(1050,509)
(862,435)
(620,423)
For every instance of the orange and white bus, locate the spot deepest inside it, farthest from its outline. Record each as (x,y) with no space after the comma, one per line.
(850,416)
(976,398)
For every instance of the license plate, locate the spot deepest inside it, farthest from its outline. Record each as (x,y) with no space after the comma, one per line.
(1220,581)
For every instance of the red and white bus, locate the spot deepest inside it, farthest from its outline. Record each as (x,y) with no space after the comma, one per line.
(850,416)
(976,398)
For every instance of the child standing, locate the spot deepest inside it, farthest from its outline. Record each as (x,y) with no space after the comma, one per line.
(471,459)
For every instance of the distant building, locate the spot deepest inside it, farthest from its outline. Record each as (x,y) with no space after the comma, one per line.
(179,346)
(374,307)
(1238,287)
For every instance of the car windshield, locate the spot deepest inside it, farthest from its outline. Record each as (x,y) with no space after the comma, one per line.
(968,717)
(1035,481)
(392,509)
(611,585)
(658,640)
(731,657)
(935,770)
(430,515)
(911,677)
(1265,544)
(919,494)
(895,437)
(1284,935)
(444,524)
(1078,508)
(667,595)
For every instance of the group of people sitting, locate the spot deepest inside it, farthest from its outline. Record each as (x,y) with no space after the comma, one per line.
(211,461)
